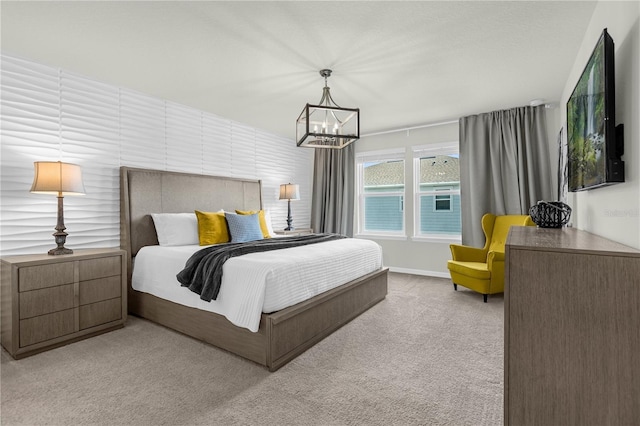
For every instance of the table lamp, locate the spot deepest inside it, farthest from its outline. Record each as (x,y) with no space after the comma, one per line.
(289,192)
(56,177)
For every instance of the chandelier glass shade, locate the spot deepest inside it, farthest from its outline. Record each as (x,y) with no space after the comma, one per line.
(327,125)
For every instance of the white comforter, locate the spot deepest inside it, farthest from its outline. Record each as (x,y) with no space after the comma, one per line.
(258,282)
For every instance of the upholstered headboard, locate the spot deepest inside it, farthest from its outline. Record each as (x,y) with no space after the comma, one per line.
(145,191)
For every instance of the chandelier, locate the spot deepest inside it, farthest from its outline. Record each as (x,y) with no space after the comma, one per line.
(327,125)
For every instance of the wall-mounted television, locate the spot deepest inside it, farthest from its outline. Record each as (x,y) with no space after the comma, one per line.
(594,144)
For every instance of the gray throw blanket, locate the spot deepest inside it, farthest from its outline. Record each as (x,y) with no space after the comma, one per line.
(202,273)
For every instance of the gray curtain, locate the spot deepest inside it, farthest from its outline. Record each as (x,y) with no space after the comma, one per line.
(333,191)
(504,166)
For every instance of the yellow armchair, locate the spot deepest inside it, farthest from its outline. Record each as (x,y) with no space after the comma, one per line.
(482,269)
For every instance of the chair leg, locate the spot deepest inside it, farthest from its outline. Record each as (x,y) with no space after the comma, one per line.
(485,297)
(455,286)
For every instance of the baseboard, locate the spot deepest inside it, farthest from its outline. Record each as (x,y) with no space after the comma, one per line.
(420,272)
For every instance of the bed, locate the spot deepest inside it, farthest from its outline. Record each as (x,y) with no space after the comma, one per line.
(281,335)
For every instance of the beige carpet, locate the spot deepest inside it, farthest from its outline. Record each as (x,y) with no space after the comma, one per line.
(426,355)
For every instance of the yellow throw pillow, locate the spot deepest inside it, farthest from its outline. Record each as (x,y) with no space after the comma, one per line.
(263,222)
(212,228)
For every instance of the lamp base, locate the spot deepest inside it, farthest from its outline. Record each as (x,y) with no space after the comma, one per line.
(60,250)
(60,236)
(289,217)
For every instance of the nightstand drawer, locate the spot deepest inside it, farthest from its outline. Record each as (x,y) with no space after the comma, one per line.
(100,267)
(100,313)
(45,301)
(50,301)
(46,327)
(100,289)
(43,276)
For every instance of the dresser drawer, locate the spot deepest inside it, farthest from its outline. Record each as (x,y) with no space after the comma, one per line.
(100,267)
(100,289)
(100,313)
(46,327)
(43,276)
(46,301)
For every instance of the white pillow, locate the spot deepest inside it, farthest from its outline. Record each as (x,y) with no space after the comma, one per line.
(267,219)
(176,229)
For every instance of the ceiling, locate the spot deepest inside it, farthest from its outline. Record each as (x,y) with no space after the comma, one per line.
(402,63)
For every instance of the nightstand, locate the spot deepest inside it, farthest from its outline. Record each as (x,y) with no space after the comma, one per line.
(50,301)
(299,231)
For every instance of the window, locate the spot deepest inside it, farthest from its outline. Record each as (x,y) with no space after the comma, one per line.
(442,202)
(380,178)
(436,173)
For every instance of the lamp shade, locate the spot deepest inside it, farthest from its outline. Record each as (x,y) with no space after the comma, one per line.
(289,191)
(56,177)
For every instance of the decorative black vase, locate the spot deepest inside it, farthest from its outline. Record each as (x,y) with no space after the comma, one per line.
(550,214)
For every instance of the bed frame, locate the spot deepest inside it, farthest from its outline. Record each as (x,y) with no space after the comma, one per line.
(282,335)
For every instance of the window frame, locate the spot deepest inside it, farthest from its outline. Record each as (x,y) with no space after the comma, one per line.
(387,155)
(421,151)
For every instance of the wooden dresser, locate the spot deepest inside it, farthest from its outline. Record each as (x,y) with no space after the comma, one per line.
(49,301)
(572,329)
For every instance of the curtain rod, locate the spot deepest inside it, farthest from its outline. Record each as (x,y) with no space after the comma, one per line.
(422,126)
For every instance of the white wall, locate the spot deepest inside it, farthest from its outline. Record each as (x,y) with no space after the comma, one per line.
(553,128)
(49,114)
(614,211)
